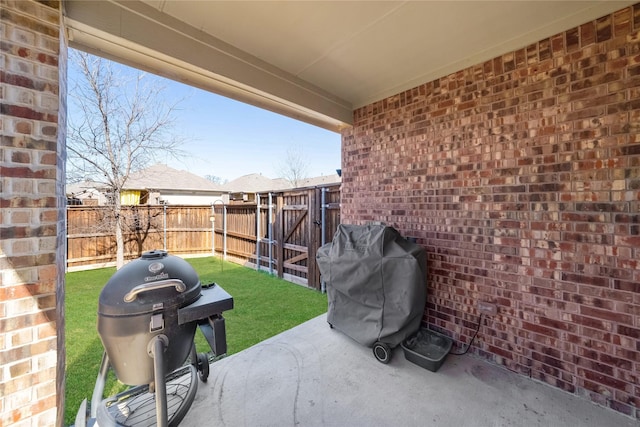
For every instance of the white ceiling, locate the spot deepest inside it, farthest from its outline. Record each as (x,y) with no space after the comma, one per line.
(316,60)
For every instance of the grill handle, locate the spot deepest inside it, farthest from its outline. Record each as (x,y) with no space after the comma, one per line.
(152,286)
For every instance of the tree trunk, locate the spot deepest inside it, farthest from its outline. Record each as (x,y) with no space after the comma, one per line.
(119,236)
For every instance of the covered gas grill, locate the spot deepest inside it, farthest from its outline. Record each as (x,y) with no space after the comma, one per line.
(376,285)
(147,317)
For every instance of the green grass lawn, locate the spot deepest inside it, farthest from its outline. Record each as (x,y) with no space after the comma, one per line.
(263,307)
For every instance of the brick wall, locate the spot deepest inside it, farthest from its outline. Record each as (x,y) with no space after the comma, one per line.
(31,220)
(521,177)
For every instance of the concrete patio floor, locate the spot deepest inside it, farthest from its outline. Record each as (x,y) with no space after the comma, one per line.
(312,375)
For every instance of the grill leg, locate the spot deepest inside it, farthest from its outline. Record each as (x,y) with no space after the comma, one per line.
(214,331)
(158,348)
(194,355)
(98,389)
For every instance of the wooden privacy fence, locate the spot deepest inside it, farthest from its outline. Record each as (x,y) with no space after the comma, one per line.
(182,230)
(278,232)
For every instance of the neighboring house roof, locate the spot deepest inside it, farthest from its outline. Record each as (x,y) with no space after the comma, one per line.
(162,177)
(78,189)
(252,183)
(256,183)
(320,180)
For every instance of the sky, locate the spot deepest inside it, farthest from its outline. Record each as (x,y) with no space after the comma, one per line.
(228,139)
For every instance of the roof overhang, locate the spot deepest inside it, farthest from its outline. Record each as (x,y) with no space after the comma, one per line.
(138,35)
(315,61)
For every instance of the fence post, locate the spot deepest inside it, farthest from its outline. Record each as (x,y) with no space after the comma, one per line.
(312,237)
(164,227)
(270,220)
(258,231)
(280,235)
(323,236)
(224,231)
(213,225)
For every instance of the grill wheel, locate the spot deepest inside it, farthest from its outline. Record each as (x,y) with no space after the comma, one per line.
(203,367)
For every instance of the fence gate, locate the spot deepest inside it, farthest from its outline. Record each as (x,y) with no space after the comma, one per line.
(296,243)
(279,231)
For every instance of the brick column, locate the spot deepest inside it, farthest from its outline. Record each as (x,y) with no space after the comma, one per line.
(32,215)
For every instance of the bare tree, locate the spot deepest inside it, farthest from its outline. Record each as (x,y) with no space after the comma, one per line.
(215,179)
(294,166)
(119,123)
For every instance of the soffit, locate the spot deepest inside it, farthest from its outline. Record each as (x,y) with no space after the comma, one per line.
(317,60)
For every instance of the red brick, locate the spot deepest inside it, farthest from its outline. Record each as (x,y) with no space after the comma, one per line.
(26,172)
(21,157)
(629,332)
(610,360)
(26,113)
(47,330)
(572,39)
(606,315)
(604,29)
(587,34)
(618,406)
(48,159)
(629,286)
(605,380)
(24,127)
(557,44)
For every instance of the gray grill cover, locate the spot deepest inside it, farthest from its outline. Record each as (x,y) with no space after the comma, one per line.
(376,283)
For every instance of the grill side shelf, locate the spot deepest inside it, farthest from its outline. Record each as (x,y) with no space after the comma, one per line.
(213,300)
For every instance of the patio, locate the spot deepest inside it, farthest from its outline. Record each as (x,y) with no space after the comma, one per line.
(312,375)
(515,164)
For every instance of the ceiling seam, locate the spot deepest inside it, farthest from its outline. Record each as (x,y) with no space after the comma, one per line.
(351,37)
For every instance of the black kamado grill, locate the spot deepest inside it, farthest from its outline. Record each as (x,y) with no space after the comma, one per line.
(147,317)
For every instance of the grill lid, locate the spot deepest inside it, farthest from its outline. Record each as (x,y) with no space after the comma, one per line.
(155,281)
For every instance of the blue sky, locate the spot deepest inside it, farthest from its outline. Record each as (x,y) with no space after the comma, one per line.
(229,139)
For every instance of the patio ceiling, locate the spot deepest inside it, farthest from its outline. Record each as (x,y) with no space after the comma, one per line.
(315,60)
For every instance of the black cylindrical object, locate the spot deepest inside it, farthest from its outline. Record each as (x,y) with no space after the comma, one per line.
(141,301)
